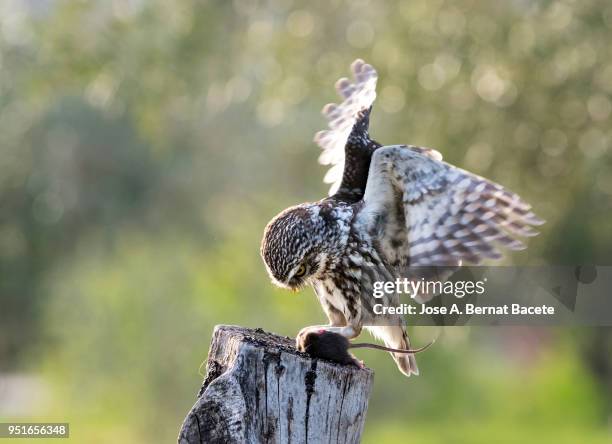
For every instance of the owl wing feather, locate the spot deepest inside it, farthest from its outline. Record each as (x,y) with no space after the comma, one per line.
(444,215)
(357,96)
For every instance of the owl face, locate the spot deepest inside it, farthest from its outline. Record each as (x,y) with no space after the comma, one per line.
(292,246)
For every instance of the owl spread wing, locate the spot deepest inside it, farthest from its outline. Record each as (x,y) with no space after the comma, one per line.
(357,96)
(427,212)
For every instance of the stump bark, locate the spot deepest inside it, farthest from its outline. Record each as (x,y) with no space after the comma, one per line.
(259,389)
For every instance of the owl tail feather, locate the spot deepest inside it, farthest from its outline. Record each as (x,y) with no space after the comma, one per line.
(396,337)
(406,363)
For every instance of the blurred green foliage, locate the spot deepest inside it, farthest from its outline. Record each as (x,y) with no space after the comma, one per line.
(146,144)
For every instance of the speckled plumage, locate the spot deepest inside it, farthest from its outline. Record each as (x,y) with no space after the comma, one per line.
(390,208)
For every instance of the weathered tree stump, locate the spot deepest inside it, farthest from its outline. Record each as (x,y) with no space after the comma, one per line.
(260,389)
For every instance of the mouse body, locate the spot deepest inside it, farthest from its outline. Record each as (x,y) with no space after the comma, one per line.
(327,345)
(335,347)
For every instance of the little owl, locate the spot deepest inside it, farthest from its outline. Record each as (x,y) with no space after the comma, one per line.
(390,209)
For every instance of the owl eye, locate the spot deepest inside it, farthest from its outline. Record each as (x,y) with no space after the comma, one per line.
(301,271)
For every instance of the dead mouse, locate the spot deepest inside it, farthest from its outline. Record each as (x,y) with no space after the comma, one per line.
(335,347)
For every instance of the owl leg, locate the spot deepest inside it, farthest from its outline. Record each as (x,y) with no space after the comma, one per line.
(337,324)
(336,320)
(348,331)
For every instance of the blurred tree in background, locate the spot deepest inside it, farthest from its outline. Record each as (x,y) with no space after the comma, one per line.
(145,144)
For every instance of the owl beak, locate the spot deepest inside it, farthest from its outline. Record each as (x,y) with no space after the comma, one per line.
(293,285)
(287,286)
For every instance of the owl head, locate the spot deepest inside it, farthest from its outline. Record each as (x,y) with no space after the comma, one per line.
(294,246)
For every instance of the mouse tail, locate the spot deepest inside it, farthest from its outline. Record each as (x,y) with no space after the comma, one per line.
(396,337)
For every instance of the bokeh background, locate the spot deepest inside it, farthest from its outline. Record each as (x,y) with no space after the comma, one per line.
(144,145)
